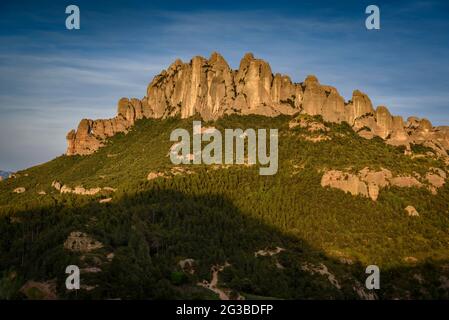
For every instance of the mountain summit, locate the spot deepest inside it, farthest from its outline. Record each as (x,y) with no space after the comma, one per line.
(140,226)
(210,88)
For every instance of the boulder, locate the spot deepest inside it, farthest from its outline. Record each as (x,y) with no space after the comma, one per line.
(19,190)
(154,175)
(411,260)
(411,211)
(56,185)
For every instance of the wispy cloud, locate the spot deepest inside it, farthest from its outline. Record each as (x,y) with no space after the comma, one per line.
(51,78)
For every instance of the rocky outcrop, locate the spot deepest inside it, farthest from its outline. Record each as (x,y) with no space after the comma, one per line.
(34,290)
(154,175)
(92,134)
(56,185)
(19,190)
(80,190)
(347,182)
(411,260)
(187,265)
(364,293)
(317,129)
(368,183)
(80,242)
(321,269)
(308,124)
(421,131)
(436,179)
(411,211)
(174,171)
(405,182)
(211,89)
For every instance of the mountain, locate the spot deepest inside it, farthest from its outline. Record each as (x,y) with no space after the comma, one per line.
(211,89)
(140,227)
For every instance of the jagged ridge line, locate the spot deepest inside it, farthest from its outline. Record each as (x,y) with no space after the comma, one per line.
(210,88)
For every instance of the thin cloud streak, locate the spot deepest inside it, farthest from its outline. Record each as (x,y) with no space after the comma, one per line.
(51,78)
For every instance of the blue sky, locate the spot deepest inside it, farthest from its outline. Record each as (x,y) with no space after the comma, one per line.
(50,77)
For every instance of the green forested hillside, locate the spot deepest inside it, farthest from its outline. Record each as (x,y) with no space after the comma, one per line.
(217,215)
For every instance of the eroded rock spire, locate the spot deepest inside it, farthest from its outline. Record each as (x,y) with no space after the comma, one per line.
(210,88)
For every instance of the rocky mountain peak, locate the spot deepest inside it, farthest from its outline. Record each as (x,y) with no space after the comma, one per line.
(210,88)
(311,80)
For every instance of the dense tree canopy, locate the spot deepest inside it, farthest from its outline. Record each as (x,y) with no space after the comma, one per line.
(216,215)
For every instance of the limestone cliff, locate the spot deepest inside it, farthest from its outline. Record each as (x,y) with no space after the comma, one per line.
(210,88)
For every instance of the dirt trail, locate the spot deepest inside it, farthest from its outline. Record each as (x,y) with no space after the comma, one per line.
(213,284)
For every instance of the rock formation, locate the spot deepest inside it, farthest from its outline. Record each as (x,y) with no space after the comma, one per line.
(174,171)
(80,242)
(211,89)
(107,200)
(79,190)
(368,183)
(19,190)
(347,182)
(40,290)
(309,125)
(187,265)
(411,211)
(321,269)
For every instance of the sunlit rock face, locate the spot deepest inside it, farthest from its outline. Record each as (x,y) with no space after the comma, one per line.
(211,89)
